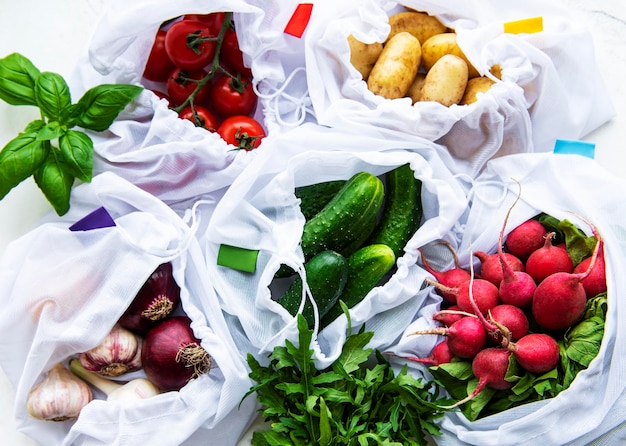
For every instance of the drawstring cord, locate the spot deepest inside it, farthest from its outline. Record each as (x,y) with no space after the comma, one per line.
(302,104)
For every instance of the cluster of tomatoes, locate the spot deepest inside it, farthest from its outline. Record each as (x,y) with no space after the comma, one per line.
(198,60)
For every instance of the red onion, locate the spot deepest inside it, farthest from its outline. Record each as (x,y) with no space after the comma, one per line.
(156,300)
(172,355)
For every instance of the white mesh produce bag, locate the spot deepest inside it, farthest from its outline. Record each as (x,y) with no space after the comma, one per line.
(592,410)
(63,291)
(551,86)
(148,144)
(260,213)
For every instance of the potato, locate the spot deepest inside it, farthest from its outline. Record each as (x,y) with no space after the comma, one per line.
(446,81)
(396,66)
(363,56)
(416,87)
(496,70)
(440,44)
(420,24)
(474,86)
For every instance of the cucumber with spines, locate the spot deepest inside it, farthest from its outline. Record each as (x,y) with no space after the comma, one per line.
(366,269)
(347,220)
(314,197)
(402,210)
(326,276)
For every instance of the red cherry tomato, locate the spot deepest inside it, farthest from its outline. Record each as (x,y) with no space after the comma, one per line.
(213,20)
(231,55)
(190,44)
(159,64)
(200,116)
(243,132)
(182,83)
(232,96)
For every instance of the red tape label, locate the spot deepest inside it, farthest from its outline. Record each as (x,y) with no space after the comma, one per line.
(299,20)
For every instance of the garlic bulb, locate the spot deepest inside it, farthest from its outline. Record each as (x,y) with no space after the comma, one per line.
(118,353)
(138,388)
(60,396)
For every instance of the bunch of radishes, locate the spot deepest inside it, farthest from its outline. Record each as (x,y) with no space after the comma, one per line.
(518,306)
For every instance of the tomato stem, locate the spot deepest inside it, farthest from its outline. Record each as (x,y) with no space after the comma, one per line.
(215,64)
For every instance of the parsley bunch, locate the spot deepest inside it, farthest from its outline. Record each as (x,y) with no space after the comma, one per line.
(48,149)
(358,400)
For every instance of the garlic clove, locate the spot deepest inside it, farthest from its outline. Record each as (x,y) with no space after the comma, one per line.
(60,396)
(117,354)
(138,388)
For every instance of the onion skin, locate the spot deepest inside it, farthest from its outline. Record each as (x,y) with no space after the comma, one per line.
(157,299)
(172,355)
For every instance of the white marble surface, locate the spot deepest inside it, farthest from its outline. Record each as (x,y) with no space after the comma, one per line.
(53,33)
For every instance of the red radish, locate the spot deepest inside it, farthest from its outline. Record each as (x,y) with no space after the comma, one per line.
(491,268)
(484,293)
(560,299)
(466,337)
(526,238)
(158,298)
(171,354)
(548,259)
(449,278)
(511,317)
(440,354)
(536,352)
(509,321)
(595,282)
(517,286)
(489,366)
(450,315)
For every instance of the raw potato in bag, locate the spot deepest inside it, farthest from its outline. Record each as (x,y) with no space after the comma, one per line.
(150,145)
(590,410)
(261,215)
(546,84)
(63,290)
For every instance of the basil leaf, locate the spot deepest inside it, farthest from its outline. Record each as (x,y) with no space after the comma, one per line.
(77,152)
(56,184)
(18,77)
(19,159)
(100,105)
(35,126)
(53,96)
(50,131)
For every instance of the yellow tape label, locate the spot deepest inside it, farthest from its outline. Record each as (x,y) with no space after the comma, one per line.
(525,26)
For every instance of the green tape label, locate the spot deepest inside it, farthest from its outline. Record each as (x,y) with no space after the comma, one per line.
(234,257)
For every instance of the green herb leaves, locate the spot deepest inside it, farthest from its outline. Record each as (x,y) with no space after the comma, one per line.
(359,400)
(48,149)
(18,77)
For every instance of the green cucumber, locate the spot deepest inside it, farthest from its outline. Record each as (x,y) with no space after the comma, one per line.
(314,197)
(402,210)
(347,220)
(326,275)
(366,268)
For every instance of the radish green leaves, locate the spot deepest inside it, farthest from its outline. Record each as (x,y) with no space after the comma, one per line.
(48,149)
(357,400)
